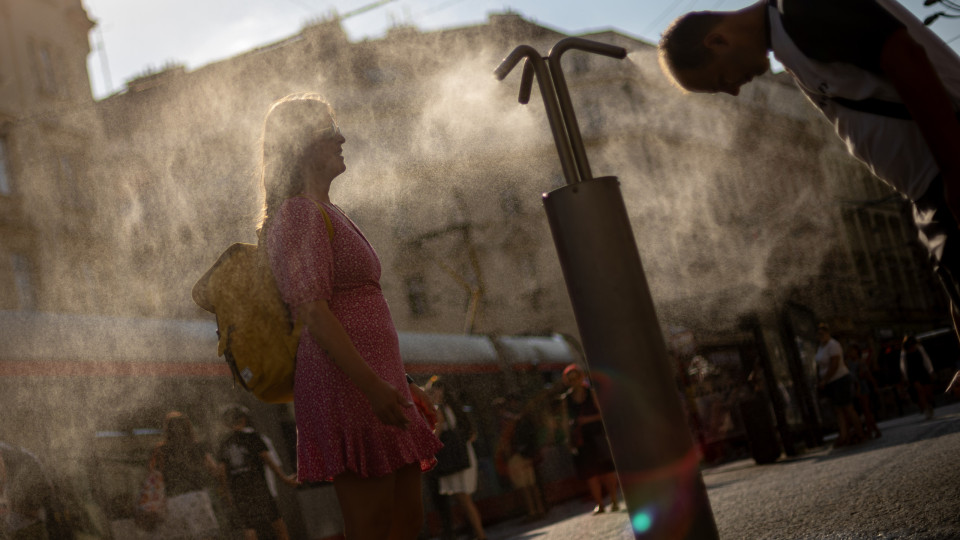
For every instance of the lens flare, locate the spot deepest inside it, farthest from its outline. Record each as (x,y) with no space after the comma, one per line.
(642,521)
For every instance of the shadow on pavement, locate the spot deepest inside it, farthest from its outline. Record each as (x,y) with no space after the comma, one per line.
(900,431)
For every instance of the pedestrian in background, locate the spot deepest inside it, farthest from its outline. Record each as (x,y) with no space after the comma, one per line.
(837,384)
(889,376)
(188,470)
(918,372)
(587,439)
(441,503)
(357,425)
(864,389)
(245,457)
(461,485)
(517,452)
(26,495)
(887,83)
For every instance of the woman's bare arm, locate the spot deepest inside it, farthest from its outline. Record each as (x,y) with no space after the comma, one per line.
(387,402)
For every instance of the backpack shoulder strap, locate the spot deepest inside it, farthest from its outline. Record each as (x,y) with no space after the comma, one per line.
(326,216)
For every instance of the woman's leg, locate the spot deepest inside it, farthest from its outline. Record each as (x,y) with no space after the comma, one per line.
(528,501)
(408,504)
(926,390)
(856,427)
(526,477)
(537,500)
(611,484)
(367,505)
(473,515)
(596,491)
(921,396)
(870,423)
(280,529)
(843,436)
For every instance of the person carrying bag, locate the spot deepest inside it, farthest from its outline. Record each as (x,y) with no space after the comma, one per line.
(453,457)
(457,434)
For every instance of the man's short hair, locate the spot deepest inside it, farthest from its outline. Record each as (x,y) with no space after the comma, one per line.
(681,44)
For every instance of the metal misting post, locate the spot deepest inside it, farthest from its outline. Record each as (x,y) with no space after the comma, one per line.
(657,462)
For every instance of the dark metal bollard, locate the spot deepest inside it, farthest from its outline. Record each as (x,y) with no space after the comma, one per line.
(656,459)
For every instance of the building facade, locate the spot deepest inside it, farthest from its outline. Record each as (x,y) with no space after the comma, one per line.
(47,123)
(737,204)
(111,210)
(750,217)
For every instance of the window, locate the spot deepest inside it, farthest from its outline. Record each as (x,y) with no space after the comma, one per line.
(535,299)
(85,292)
(68,183)
(510,201)
(581,63)
(417,295)
(23,282)
(6,187)
(46,66)
(593,117)
(43,67)
(66,171)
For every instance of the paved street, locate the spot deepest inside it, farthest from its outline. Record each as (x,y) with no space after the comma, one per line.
(904,485)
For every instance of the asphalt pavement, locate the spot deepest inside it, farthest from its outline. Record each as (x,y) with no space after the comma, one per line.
(903,485)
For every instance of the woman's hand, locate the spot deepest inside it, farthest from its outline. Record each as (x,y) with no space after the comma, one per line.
(291,480)
(388,403)
(424,404)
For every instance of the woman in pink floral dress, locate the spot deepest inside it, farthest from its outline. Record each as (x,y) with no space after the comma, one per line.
(356,422)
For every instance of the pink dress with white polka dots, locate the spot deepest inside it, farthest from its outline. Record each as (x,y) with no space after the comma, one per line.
(336,428)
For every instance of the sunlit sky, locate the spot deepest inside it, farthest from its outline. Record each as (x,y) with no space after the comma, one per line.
(133,36)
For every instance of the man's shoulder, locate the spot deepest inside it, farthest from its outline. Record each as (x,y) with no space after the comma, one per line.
(827,11)
(851,31)
(802,10)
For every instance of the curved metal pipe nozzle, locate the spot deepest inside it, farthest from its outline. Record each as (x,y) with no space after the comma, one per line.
(526,83)
(512,59)
(526,78)
(563,94)
(605,49)
(537,65)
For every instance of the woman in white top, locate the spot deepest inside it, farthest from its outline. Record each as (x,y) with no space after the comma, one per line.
(837,385)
